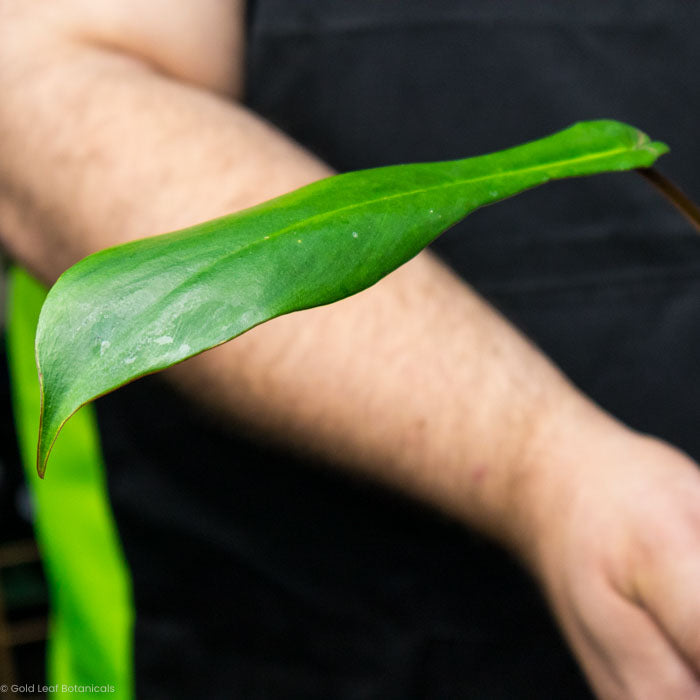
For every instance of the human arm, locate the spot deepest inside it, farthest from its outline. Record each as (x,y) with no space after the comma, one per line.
(439,395)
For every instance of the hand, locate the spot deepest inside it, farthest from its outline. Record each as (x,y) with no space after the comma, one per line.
(618,553)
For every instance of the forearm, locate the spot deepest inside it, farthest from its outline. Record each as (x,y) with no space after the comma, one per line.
(416,381)
(99,148)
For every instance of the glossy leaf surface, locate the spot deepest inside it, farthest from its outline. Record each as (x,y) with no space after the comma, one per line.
(140,307)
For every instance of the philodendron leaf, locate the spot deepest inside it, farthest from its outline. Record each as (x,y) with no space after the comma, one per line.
(140,307)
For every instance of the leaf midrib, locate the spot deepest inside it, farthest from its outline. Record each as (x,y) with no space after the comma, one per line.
(320,216)
(328,213)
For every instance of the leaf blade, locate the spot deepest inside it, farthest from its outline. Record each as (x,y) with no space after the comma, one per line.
(131,310)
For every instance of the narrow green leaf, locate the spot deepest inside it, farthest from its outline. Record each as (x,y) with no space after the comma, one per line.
(140,307)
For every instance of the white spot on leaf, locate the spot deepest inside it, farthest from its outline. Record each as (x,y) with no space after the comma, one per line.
(129,360)
(104,345)
(163,340)
(355,234)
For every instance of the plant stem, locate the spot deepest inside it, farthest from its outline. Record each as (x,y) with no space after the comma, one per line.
(674,194)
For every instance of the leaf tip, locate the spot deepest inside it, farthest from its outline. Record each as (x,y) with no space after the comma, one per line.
(42,453)
(44,448)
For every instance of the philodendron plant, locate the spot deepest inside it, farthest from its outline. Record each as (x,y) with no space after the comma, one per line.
(143,306)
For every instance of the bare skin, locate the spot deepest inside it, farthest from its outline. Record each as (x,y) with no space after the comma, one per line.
(134,130)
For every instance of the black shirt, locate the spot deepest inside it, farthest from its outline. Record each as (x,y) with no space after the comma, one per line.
(259,575)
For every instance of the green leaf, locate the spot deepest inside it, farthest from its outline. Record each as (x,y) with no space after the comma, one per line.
(141,307)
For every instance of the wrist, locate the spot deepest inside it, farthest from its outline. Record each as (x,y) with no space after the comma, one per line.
(568,440)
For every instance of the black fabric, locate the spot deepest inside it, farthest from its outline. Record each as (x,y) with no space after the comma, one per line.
(259,576)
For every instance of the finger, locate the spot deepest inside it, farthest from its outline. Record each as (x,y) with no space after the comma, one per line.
(668,576)
(672,596)
(625,654)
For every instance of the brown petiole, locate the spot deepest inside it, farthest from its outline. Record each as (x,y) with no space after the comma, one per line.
(675,195)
